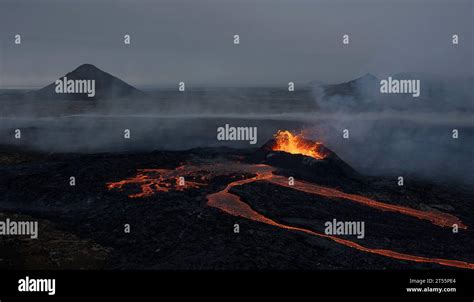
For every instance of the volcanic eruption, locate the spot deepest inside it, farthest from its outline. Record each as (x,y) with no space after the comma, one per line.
(304,158)
(288,150)
(289,142)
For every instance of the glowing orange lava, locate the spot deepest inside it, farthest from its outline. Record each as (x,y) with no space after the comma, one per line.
(437,218)
(155,180)
(163,180)
(233,205)
(296,144)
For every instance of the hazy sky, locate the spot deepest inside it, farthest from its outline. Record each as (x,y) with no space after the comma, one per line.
(192,41)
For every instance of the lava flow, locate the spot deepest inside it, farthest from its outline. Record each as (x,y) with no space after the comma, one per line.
(296,144)
(437,218)
(156,180)
(162,180)
(233,205)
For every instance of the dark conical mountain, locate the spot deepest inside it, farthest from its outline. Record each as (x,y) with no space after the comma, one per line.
(106,86)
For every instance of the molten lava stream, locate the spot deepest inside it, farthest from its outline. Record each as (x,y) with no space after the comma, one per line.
(163,180)
(233,205)
(438,218)
(155,180)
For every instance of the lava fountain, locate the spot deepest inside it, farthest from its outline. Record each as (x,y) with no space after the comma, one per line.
(289,142)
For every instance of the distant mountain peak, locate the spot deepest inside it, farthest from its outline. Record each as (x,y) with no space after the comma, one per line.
(106,85)
(354,88)
(86,67)
(367,76)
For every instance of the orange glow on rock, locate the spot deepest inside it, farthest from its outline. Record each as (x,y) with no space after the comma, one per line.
(289,142)
(151,181)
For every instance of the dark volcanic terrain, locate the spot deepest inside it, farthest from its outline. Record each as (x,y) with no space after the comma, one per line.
(82,226)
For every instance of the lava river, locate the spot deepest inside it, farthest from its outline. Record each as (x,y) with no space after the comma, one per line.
(162,180)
